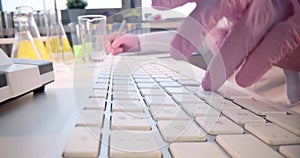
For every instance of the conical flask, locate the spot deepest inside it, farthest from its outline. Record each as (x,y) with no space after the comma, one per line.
(23,45)
(26,11)
(60,45)
(46,22)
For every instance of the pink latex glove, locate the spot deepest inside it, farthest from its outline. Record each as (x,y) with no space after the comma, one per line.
(216,38)
(264,33)
(169,4)
(123,43)
(267,34)
(202,20)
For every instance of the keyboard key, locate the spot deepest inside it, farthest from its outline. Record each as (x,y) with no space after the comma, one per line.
(163,79)
(258,107)
(127,106)
(199,109)
(168,113)
(125,95)
(219,125)
(121,75)
(188,82)
(83,142)
(177,76)
(122,82)
(95,104)
(145,80)
(90,118)
(172,75)
(102,76)
(147,85)
(133,144)
(189,150)
(231,93)
(206,95)
(100,86)
(140,75)
(194,89)
(242,116)
(291,151)
(177,90)
(170,84)
(120,71)
(98,93)
(160,101)
(186,98)
(126,88)
(153,92)
(246,146)
(102,81)
(272,134)
(288,122)
(221,104)
(122,120)
(181,130)
(157,75)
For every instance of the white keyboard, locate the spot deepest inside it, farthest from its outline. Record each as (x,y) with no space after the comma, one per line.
(138,108)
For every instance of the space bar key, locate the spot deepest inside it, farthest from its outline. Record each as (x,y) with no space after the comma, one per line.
(246,146)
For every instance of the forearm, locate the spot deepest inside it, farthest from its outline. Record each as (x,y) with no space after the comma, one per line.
(156,41)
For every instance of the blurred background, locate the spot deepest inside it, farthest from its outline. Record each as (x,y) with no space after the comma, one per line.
(140,16)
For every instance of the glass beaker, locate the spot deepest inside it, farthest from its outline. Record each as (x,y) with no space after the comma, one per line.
(27,12)
(23,45)
(92,32)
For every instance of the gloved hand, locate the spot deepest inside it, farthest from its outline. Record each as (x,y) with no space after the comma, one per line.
(123,43)
(267,34)
(263,33)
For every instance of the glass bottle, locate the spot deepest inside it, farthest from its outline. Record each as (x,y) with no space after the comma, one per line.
(26,11)
(23,45)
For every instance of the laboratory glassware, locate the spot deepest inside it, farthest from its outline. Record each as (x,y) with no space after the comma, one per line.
(27,12)
(23,44)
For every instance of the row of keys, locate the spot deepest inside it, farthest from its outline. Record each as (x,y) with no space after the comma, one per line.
(85,143)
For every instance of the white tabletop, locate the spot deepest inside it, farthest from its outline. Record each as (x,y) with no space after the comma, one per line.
(39,125)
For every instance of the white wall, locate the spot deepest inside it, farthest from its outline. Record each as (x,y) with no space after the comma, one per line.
(181,11)
(10,5)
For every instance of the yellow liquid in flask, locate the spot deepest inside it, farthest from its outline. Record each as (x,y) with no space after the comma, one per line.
(56,47)
(41,48)
(27,50)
